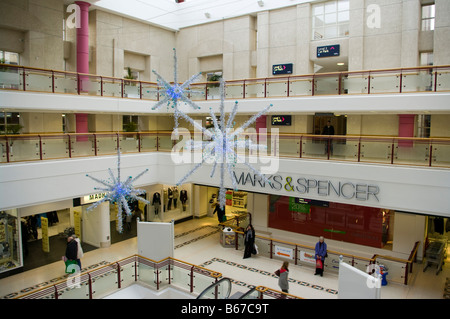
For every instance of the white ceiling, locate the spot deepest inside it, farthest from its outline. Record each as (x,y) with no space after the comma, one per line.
(171,15)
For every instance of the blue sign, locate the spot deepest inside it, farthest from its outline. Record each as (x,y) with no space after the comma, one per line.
(328,50)
(282,69)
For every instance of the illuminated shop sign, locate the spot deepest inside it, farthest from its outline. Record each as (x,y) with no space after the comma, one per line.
(328,50)
(302,185)
(281,120)
(282,68)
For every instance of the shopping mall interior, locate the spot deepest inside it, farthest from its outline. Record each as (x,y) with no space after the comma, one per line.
(326,117)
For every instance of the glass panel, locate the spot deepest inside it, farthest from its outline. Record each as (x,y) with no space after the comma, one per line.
(197,92)
(55,147)
(65,83)
(314,147)
(300,86)
(112,87)
(276,88)
(344,149)
(181,277)
(10,78)
(129,143)
(254,89)
(104,283)
(213,92)
(106,144)
(148,142)
(384,83)
(147,273)
(89,85)
(165,142)
(37,80)
(417,81)
(326,85)
(441,154)
(330,18)
(355,84)
(395,270)
(82,145)
(289,146)
(202,280)
(376,151)
(3,151)
(262,244)
(234,90)
(74,288)
(131,89)
(23,148)
(127,274)
(331,32)
(149,91)
(443,80)
(411,152)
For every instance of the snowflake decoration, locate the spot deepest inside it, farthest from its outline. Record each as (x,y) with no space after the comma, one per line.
(118,192)
(172,94)
(221,149)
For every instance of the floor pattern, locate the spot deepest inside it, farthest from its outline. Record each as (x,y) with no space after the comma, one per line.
(265,273)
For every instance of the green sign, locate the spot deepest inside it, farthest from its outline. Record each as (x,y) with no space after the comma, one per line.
(299,206)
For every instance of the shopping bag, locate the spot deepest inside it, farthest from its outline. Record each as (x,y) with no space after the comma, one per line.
(277,272)
(319,264)
(70,269)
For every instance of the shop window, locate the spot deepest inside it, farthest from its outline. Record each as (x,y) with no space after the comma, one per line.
(428,17)
(330,20)
(10,248)
(130,123)
(9,123)
(9,57)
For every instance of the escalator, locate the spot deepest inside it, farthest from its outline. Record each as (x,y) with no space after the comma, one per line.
(222,289)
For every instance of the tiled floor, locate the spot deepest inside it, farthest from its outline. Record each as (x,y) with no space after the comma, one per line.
(197,242)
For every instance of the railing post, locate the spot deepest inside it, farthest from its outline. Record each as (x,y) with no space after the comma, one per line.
(53,81)
(78,84)
(243,90)
(392,153)
(431,153)
(101,86)
(23,78)
(313,84)
(271,249)
(359,150)
(406,274)
(40,147)
(90,286)
(435,80)
(121,87)
(265,87)
(140,90)
(287,91)
(296,255)
(7,148)
(135,269)
(401,82)
(95,144)
(340,84)
(368,83)
(192,279)
(139,141)
(70,146)
(301,146)
(56,292)
(157,278)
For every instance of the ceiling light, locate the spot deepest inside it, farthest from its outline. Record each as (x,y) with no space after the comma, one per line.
(341,63)
(207,15)
(261,3)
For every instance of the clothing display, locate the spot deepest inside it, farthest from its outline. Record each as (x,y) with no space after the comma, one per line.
(156,202)
(170,196)
(183,198)
(175,196)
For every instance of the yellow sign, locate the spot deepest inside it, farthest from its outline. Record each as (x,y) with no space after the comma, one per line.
(77,223)
(45,239)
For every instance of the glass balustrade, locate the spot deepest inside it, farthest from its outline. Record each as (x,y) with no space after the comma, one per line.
(384,150)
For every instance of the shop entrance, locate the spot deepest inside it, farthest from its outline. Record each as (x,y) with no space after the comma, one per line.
(338,124)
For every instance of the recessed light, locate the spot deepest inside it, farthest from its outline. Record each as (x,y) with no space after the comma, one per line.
(341,63)
(207,15)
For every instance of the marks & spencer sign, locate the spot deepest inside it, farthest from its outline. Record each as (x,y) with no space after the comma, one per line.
(295,186)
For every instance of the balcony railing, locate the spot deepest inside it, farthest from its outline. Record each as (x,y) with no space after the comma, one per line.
(431,152)
(387,81)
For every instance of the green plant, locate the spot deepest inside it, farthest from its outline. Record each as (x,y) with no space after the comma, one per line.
(14,128)
(214,78)
(129,76)
(130,127)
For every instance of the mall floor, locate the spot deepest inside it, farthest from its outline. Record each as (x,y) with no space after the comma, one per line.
(197,242)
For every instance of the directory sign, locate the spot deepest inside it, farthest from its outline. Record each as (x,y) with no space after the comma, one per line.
(328,50)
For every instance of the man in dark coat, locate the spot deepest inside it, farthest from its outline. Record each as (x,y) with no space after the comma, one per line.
(71,249)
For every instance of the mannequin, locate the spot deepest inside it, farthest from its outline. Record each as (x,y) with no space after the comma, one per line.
(165,198)
(183,198)
(170,195)
(175,196)
(156,202)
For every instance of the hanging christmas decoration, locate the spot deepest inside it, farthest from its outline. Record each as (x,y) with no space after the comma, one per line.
(173,94)
(118,192)
(223,141)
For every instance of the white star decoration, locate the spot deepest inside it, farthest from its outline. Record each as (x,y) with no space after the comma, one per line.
(172,94)
(221,149)
(118,192)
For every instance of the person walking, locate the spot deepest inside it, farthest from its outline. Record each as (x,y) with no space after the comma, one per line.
(249,241)
(283,277)
(220,213)
(79,250)
(71,255)
(320,255)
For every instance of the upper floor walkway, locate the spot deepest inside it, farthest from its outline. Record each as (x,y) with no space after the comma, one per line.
(366,82)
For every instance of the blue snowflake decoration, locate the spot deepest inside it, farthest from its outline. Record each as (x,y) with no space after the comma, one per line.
(118,192)
(222,145)
(173,94)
